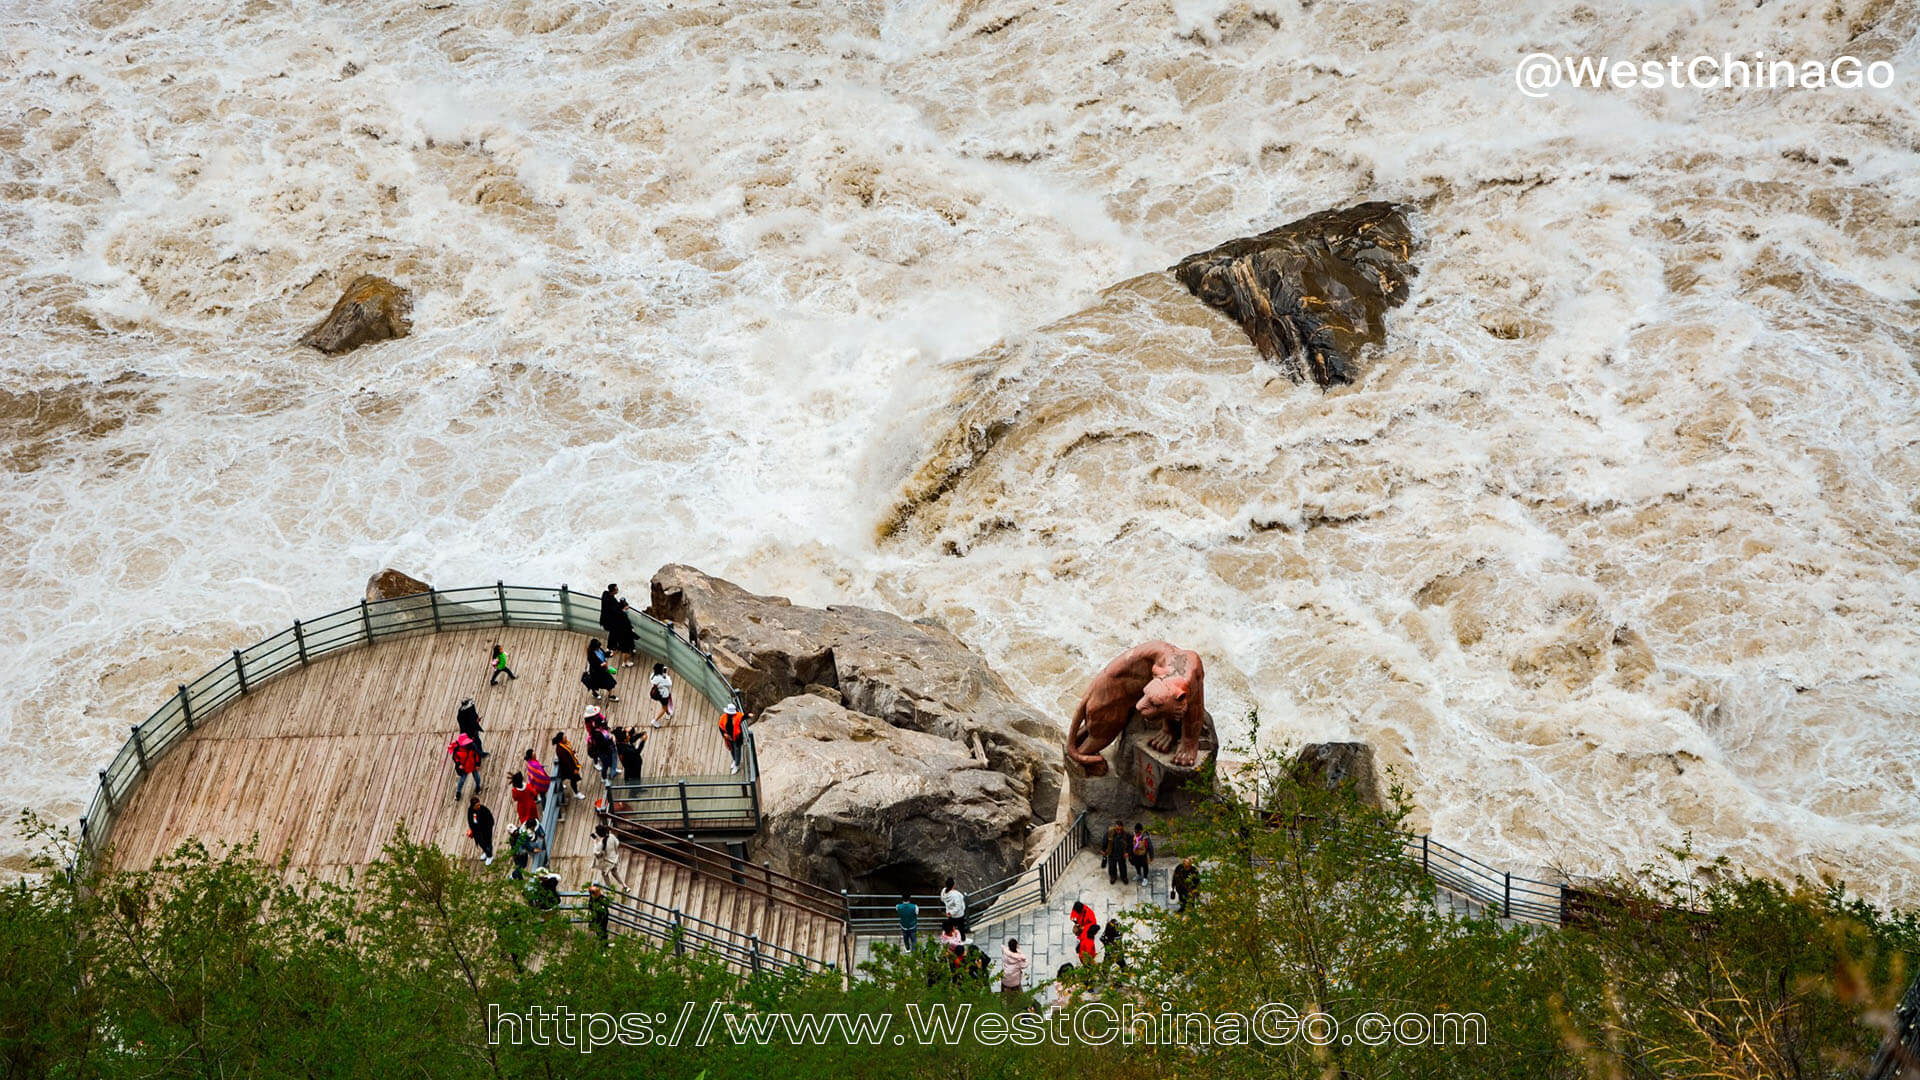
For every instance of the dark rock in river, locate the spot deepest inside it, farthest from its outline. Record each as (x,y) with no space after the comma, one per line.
(1312,291)
(391,584)
(372,309)
(1335,765)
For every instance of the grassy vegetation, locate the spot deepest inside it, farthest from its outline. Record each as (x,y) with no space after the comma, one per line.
(215,966)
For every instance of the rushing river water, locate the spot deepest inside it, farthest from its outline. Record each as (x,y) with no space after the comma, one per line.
(1615,540)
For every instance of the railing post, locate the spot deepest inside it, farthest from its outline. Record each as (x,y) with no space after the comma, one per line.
(366,620)
(240,670)
(753,952)
(500,587)
(768,868)
(679,934)
(433,601)
(186,706)
(566,616)
(1423,853)
(106,793)
(140,748)
(686,815)
(300,641)
(1506,900)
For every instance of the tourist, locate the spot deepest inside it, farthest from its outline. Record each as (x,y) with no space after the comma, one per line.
(606,855)
(598,678)
(1013,968)
(950,935)
(909,913)
(733,732)
(955,903)
(566,767)
(1087,950)
(500,667)
(1114,854)
(466,762)
(1082,917)
(538,780)
(1059,994)
(520,849)
(1111,943)
(600,745)
(599,911)
(1140,851)
(1186,879)
(480,827)
(618,624)
(661,690)
(468,720)
(631,744)
(543,892)
(526,804)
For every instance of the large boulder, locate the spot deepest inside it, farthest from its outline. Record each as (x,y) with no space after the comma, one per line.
(391,584)
(856,803)
(1338,764)
(371,309)
(914,677)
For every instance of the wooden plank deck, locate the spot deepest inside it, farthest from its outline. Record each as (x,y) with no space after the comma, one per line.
(323,763)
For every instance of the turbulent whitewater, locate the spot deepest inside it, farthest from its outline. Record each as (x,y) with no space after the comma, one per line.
(1614,538)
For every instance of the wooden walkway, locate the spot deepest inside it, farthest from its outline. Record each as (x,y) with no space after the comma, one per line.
(324,762)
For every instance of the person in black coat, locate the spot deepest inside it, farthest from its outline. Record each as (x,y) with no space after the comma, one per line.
(597,678)
(619,627)
(480,827)
(469,721)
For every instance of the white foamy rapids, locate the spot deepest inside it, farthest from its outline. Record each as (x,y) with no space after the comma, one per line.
(700,283)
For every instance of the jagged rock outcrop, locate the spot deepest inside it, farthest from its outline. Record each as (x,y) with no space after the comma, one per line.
(371,309)
(1312,291)
(857,803)
(904,678)
(1333,765)
(390,584)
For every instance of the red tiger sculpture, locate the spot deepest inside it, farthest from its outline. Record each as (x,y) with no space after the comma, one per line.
(1155,681)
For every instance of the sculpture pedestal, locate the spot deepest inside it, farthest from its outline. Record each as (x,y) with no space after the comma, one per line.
(1138,777)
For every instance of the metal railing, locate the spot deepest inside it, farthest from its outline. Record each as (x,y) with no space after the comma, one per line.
(435,610)
(671,928)
(876,915)
(729,805)
(721,866)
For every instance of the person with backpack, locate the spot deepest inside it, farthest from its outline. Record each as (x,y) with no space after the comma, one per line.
(520,849)
(468,719)
(1086,948)
(1081,916)
(1110,942)
(733,731)
(600,745)
(538,779)
(466,762)
(1114,854)
(660,689)
(598,677)
(606,856)
(1140,851)
(543,890)
(480,827)
(500,666)
(566,767)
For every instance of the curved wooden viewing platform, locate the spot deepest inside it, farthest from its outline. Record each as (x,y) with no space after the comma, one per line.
(323,739)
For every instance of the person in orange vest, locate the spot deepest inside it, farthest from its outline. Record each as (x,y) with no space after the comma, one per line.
(733,730)
(466,762)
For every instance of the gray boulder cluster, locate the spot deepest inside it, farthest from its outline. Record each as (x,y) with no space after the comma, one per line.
(891,755)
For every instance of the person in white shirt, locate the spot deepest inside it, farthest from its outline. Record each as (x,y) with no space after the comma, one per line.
(606,856)
(955,903)
(660,689)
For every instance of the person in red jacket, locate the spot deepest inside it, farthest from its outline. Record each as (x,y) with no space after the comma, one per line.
(1082,917)
(526,802)
(466,762)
